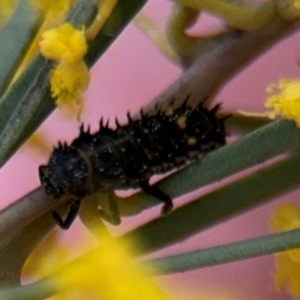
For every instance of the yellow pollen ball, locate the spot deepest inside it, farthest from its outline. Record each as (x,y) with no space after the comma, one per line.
(68,82)
(286,275)
(286,100)
(70,77)
(64,43)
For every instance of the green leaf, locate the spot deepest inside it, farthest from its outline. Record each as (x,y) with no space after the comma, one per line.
(244,124)
(19,105)
(14,40)
(236,197)
(226,253)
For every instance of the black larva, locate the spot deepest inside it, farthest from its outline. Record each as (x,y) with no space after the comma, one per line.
(129,155)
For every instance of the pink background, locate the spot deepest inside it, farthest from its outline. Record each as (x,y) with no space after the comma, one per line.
(130,75)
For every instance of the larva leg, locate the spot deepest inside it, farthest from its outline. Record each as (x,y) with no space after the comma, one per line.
(112,214)
(158,194)
(72,214)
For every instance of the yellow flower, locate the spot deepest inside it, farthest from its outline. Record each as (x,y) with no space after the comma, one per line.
(70,77)
(297,4)
(64,43)
(53,14)
(68,82)
(6,9)
(107,272)
(286,101)
(287,272)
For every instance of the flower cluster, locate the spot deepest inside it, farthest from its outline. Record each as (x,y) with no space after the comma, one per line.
(287,273)
(110,273)
(66,46)
(285,100)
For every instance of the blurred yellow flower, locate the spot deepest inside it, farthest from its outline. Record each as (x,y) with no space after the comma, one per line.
(297,3)
(6,9)
(108,272)
(70,77)
(286,100)
(287,272)
(52,8)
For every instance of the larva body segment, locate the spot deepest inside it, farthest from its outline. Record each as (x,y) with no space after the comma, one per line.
(129,155)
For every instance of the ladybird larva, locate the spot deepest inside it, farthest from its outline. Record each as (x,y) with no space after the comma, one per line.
(126,157)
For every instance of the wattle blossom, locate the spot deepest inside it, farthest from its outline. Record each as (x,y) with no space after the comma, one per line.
(108,272)
(287,271)
(285,100)
(69,78)
(53,13)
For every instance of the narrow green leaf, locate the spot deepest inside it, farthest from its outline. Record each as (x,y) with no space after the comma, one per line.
(37,291)
(244,125)
(15,38)
(218,205)
(226,253)
(20,105)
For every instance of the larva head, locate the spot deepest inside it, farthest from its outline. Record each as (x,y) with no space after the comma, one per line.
(65,174)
